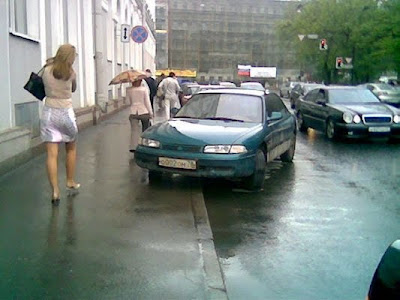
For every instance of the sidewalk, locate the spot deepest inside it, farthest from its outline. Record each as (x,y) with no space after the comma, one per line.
(119,238)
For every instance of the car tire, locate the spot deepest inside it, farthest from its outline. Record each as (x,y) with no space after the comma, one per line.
(154,176)
(289,154)
(300,122)
(330,130)
(256,181)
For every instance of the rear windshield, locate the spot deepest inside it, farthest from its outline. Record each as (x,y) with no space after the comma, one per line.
(352,96)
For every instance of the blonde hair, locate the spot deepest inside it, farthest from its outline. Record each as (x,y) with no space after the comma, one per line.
(62,62)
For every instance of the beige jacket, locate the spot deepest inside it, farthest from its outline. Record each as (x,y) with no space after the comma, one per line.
(140,100)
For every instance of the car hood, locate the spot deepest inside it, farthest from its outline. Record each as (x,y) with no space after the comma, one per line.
(199,132)
(362,109)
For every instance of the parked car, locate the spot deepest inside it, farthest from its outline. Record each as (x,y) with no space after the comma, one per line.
(188,91)
(349,112)
(225,133)
(227,84)
(301,89)
(385,92)
(252,86)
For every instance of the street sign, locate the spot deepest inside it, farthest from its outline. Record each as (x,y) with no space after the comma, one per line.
(312,36)
(349,60)
(323,45)
(125,29)
(301,36)
(139,34)
(339,62)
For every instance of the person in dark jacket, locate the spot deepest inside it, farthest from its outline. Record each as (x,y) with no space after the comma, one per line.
(151,82)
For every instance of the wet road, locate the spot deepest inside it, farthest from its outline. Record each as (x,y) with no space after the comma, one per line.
(119,238)
(319,228)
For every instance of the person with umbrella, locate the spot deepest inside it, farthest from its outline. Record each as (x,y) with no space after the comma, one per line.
(139,98)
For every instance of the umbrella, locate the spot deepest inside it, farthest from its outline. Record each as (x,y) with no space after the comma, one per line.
(128,76)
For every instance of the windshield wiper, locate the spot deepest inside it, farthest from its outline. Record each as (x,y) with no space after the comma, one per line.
(223,119)
(184,117)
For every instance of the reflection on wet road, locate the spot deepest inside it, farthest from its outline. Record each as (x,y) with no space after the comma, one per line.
(318,229)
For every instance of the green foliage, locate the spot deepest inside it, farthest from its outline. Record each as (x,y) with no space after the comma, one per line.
(365,30)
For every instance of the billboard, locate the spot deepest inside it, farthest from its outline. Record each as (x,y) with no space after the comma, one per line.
(178,73)
(244,70)
(263,72)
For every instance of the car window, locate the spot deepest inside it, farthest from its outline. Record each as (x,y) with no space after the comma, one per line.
(338,96)
(246,108)
(311,96)
(320,95)
(274,104)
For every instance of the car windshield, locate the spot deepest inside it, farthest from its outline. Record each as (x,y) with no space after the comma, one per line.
(385,86)
(352,96)
(252,86)
(229,107)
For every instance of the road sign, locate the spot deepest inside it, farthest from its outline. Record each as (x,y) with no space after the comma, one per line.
(312,36)
(301,36)
(139,34)
(339,62)
(323,45)
(349,60)
(125,29)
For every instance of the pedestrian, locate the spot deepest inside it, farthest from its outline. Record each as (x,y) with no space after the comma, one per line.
(160,78)
(152,84)
(141,110)
(58,122)
(170,90)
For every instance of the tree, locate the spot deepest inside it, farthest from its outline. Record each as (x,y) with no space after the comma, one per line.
(360,29)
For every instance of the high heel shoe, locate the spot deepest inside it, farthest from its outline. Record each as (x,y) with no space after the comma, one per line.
(55,201)
(73,189)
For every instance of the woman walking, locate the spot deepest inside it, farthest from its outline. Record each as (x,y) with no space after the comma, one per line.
(141,110)
(58,123)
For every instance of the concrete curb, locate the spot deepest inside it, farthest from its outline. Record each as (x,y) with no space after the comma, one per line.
(214,279)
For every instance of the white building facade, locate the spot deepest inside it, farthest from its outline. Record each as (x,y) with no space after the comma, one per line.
(32,30)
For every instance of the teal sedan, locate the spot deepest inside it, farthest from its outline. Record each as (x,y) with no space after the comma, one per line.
(222,133)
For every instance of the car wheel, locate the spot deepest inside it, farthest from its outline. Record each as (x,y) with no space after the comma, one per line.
(289,154)
(154,176)
(330,129)
(300,123)
(256,181)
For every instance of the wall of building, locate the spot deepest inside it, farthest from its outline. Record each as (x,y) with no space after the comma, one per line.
(31,31)
(213,37)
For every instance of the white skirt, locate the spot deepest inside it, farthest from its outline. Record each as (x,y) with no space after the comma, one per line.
(58,125)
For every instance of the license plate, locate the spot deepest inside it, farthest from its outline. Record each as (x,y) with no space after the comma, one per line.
(379,129)
(177,163)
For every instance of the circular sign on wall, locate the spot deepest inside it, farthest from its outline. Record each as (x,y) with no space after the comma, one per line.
(139,34)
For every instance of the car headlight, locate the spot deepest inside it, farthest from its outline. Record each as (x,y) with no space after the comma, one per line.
(396,119)
(225,149)
(356,119)
(149,143)
(348,117)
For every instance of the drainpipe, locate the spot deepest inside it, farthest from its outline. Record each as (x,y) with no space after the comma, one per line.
(98,35)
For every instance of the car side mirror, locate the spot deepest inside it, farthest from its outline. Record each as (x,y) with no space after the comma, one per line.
(275,116)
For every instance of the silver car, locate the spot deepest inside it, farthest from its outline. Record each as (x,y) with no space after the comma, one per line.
(385,92)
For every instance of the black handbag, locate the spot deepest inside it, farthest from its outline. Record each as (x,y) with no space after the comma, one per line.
(35,86)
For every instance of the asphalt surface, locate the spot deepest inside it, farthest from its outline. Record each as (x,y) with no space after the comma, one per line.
(319,228)
(119,238)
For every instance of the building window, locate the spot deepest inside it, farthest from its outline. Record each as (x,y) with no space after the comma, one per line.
(24,17)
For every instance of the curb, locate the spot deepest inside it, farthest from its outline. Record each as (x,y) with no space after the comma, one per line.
(215,284)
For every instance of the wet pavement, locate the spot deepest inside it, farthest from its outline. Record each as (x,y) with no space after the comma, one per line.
(119,238)
(319,228)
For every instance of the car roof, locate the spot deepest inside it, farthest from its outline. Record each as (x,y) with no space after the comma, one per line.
(236,91)
(341,87)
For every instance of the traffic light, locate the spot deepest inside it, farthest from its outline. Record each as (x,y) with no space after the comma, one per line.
(323,45)
(339,62)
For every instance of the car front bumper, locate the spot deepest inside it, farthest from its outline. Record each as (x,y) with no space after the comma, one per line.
(362,131)
(208,165)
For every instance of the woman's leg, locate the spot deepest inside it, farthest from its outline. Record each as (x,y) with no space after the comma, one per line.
(145,122)
(135,132)
(71,163)
(52,170)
